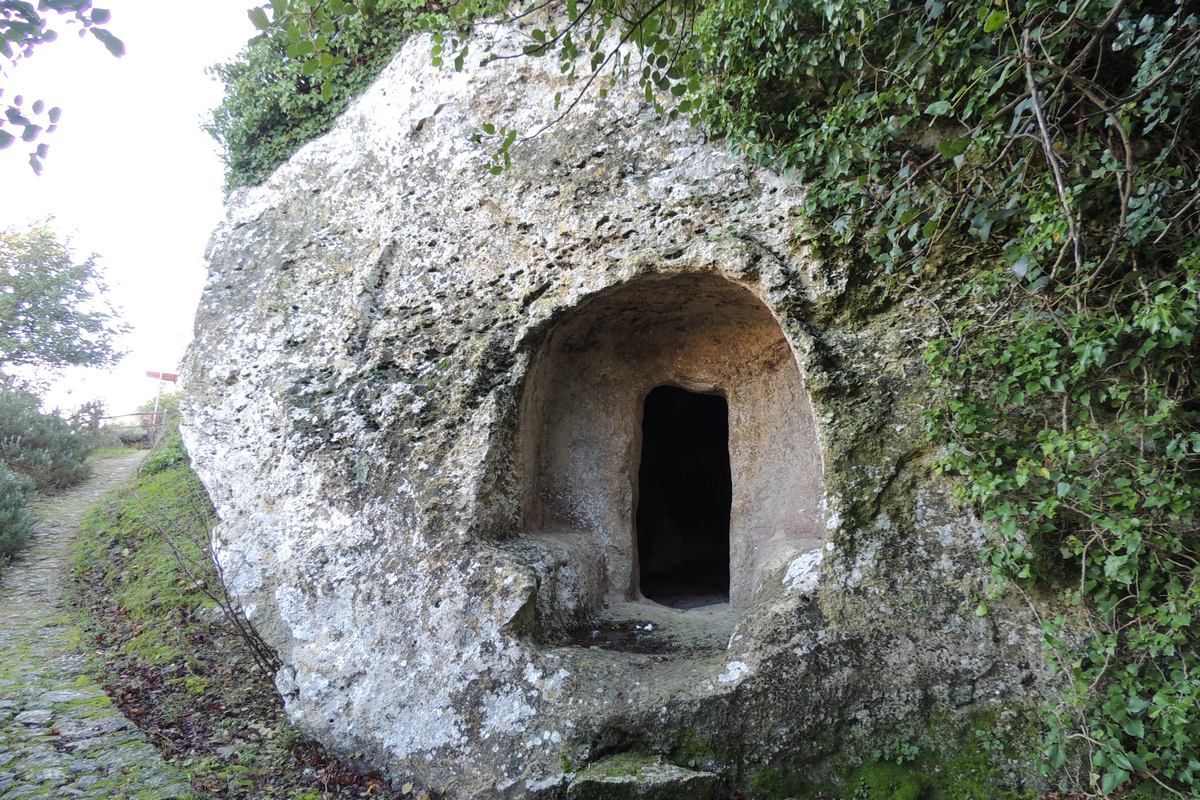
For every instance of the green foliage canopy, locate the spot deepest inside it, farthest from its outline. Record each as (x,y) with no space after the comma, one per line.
(1052,145)
(52,313)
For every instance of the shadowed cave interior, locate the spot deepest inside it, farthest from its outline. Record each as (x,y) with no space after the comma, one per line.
(684,498)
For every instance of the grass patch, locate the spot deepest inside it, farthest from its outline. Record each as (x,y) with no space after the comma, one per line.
(171,661)
(101,453)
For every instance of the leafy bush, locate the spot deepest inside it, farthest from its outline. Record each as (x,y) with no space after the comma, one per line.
(40,447)
(275,102)
(15,521)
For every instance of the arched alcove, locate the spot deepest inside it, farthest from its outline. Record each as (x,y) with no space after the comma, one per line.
(582,428)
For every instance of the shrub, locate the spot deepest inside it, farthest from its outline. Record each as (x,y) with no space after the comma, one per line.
(15,521)
(40,447)
(37,451)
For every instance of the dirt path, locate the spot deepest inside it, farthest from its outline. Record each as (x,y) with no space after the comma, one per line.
(60,736)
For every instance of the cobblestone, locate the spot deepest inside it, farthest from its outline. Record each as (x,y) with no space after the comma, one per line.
(60,735)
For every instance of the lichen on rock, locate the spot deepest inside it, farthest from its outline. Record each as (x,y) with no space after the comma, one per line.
(414,395)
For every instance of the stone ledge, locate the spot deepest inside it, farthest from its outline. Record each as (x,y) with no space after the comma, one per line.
(628,776)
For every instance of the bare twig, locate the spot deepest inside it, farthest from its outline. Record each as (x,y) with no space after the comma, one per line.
(193,534)
(1051,157)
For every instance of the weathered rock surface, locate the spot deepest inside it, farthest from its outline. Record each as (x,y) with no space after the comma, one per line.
(414,395)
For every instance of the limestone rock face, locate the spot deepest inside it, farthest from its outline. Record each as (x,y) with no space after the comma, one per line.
(416,395)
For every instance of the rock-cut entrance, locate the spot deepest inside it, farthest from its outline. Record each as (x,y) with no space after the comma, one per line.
(667,442)
(683,500)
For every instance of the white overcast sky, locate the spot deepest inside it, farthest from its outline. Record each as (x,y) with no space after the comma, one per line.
(130,175)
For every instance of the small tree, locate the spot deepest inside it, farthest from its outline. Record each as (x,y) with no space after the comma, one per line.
(51,310)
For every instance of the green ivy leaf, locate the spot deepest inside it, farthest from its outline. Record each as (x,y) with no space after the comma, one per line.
(939,108)
(258,18)
(952,148)
(1112,779)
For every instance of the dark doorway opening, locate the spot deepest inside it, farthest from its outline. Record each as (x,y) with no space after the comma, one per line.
(684,497)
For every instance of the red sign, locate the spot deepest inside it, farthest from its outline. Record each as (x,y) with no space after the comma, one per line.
(163,376)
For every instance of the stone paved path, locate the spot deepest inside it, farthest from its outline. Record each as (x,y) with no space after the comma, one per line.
(60,735)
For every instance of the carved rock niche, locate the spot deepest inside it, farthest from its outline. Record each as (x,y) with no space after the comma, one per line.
(666,431)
